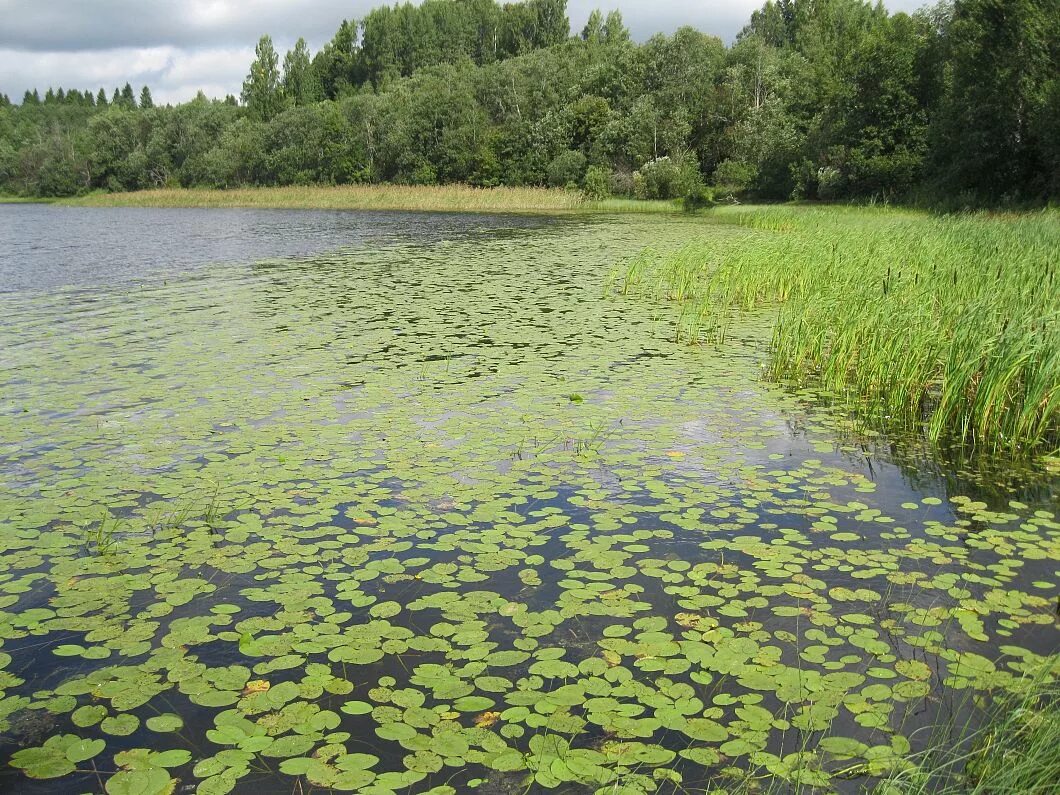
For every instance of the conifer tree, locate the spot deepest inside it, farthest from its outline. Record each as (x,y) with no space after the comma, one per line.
(128,98)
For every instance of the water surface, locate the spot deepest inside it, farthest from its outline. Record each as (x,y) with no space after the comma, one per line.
(44,247)
(406,502)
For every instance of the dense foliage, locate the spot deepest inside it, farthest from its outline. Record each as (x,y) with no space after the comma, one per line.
(821,99)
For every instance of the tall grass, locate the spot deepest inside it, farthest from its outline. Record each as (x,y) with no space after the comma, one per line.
(350,197)
(949,323)
(23,200)
(444,198)
(1016,751)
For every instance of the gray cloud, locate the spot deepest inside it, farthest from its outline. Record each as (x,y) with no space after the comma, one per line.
(77,25)
(181,46)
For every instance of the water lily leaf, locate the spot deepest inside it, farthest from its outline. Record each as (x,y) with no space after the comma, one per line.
(86,716)
(46,762)
(121,725)
(155,781)
(291,745)
(165,723)
(174,758)
(356,708)
(506,762)
(423,762)
(472,704)
(83,750)
(707,757)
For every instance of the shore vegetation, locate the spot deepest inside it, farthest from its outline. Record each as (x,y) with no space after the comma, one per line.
(433,198)
(952,105)
(949,323)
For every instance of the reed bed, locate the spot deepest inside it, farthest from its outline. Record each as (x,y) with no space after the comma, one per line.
(23,200)
(455,198)
(949,323)
(434,198)
(1013,752)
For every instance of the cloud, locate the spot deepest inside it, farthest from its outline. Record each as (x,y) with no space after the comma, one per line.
(80,25)
(174,75)
(179,47)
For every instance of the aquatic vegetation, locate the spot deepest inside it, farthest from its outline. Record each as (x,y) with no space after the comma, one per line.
(462,198)
(1015,751)
(99,536)
(947,323)
(337,573)
(437,198)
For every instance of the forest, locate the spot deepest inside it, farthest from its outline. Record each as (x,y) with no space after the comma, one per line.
(956,104)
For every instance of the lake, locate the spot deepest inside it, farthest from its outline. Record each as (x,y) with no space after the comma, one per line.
(419,502)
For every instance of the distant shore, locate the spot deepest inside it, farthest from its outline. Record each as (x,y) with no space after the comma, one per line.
(442,198)
(23,200)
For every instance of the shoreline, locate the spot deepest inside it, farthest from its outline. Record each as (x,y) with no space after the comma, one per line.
(443,198)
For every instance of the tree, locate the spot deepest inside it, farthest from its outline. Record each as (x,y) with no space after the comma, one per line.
(593,32)
(128,98)
(1003,55)
(337,67)
(755,138)
(817,98)
(261,89)
(879,129)
(300,86)
(615,30)
(534,25)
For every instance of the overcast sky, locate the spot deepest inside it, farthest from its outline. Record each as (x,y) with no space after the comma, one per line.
(180,46)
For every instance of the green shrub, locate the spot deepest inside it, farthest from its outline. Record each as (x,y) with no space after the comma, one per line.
(698,198)
(598,183)
(735,177)
(622,184)
(567,169)
(667,178)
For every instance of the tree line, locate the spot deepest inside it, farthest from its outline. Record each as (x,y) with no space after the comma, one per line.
(816,99)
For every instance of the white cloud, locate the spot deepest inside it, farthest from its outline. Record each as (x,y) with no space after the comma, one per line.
(174,75)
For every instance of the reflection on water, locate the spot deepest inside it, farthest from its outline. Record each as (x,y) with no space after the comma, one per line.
(46,247)
(436,511)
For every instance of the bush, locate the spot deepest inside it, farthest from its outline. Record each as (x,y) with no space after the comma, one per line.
(831,183)
(422,174)
(667,178)
(735,177)
(567,169)
(598,183)
(698,199)
(622,184)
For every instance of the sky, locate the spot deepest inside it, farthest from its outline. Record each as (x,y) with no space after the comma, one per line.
(179,47)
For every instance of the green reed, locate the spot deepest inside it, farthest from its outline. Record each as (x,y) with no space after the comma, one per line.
(1014,752)
(948,323)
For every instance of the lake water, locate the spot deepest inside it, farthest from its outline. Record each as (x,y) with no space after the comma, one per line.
(406,502)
